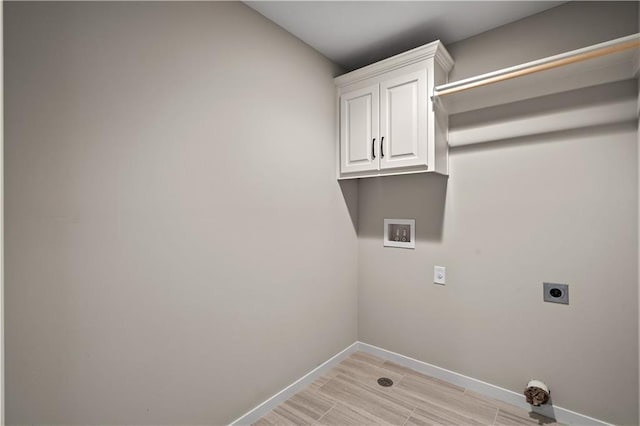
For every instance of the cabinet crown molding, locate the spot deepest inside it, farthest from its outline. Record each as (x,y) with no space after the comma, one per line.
(387,122)
(434,50)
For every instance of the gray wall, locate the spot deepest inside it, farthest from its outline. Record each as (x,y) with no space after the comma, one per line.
(177,246)
(559,207)
(176,251)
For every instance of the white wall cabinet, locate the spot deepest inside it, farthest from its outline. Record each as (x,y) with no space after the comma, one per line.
(387,122)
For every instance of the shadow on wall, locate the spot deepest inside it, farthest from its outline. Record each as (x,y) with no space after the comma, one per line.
(389,198)
(600,109)
(349,190)
(407,39)
(577,109)
(546,137)
(604,94)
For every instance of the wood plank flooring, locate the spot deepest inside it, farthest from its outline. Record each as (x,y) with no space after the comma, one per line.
(350,395)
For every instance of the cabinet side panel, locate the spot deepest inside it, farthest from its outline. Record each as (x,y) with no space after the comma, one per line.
(440,126)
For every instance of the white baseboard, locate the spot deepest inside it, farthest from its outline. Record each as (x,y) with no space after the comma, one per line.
(562,415)
(260,410)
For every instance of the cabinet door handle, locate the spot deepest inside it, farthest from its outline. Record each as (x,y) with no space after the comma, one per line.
(381,148)
(373,148)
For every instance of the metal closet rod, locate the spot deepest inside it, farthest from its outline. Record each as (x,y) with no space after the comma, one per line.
(543,67)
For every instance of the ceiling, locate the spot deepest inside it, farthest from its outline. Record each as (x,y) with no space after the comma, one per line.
(357,33)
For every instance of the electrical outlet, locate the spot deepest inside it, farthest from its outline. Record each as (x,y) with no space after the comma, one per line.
(439,275)
(556,293)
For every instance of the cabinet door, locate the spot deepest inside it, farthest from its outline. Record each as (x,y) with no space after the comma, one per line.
(403,121)
(359,114)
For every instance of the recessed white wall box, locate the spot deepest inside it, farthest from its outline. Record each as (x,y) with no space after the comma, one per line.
(400,233)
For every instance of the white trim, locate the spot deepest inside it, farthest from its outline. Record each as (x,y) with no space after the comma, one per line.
(561,415)
(388,242)
(263,408)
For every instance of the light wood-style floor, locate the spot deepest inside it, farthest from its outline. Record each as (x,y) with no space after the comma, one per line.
(350,395)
